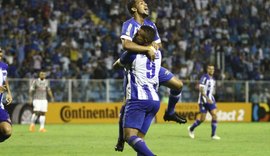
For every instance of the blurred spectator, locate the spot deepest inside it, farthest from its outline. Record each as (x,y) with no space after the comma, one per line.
(265,96)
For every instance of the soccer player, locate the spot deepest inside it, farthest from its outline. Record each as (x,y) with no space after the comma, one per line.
(40,87)
(5,122)
(141,92)
(139,10)
(206,102)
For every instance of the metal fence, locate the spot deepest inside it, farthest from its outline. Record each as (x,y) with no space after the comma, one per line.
(111,90)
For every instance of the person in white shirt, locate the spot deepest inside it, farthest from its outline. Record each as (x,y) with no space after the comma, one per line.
(40,87)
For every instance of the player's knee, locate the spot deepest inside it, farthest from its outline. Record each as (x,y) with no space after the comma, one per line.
(7,130)
(129,133)
(4,137)
(202,119)
(214,117)
(178,85)
(141,135)
(5,133)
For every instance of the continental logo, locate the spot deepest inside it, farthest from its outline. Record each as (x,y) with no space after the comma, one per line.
(188,111)
(189,115)
(68,113)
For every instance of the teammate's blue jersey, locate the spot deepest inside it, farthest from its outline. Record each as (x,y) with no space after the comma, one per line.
(142,76)
(3,77)
(208,83)
(131,26)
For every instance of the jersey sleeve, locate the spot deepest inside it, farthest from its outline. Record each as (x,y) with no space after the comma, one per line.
(127,58)
(203,81)
(127,31)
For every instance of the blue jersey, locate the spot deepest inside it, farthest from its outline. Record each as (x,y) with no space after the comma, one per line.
(208,83)
(3,77)
(142,76)
(131,26)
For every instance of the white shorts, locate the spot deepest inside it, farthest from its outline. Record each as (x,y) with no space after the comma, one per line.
(40,105)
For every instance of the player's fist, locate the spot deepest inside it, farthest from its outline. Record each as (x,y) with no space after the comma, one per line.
(151,53)
(9,99)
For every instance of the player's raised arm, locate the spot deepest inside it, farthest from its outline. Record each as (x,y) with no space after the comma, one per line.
(117,64)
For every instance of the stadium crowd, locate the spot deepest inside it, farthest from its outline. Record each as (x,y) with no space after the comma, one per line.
(80,39)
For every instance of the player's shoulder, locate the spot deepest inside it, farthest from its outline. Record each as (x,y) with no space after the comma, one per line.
(205,76)
(147,21)
(131,20)
(3,65)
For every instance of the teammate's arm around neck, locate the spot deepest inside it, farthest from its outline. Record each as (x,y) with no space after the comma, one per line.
(134,47)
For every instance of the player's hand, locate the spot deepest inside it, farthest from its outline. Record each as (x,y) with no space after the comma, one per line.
(155,45)
(151,53)
(52,99)
(3,89)
(9,99)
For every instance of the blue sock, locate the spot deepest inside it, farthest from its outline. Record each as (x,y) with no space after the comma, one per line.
(173,99)
(195,124)
(121,133)
(214,127)
(139,146)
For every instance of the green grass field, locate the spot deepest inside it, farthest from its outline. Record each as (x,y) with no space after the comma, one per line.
(237,139)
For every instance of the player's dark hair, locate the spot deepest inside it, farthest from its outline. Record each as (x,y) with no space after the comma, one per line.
(130,5)
(210,64)
(150,33)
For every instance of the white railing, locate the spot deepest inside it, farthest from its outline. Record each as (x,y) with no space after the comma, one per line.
(111,90)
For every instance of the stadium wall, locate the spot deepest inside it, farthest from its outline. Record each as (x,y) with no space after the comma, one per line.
(109,112)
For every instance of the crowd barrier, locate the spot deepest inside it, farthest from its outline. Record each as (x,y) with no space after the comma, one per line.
(109,112)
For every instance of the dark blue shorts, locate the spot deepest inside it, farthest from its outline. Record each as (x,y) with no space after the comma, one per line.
(164,75)
(207,107)
(139,114)
(4,116)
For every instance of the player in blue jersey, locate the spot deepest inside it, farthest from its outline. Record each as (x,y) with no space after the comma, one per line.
(142,100)
(206,102)
(5,122)
(139,10)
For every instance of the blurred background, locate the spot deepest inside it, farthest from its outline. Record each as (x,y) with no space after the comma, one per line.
(76,42)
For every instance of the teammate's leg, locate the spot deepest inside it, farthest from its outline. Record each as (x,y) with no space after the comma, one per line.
(121,141)
(134,119)
(191,128)
(33,121)
(175,93)
(42,119)
(214,124)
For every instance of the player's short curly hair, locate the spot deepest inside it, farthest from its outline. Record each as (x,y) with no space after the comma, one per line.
(151,33)
(130,5)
